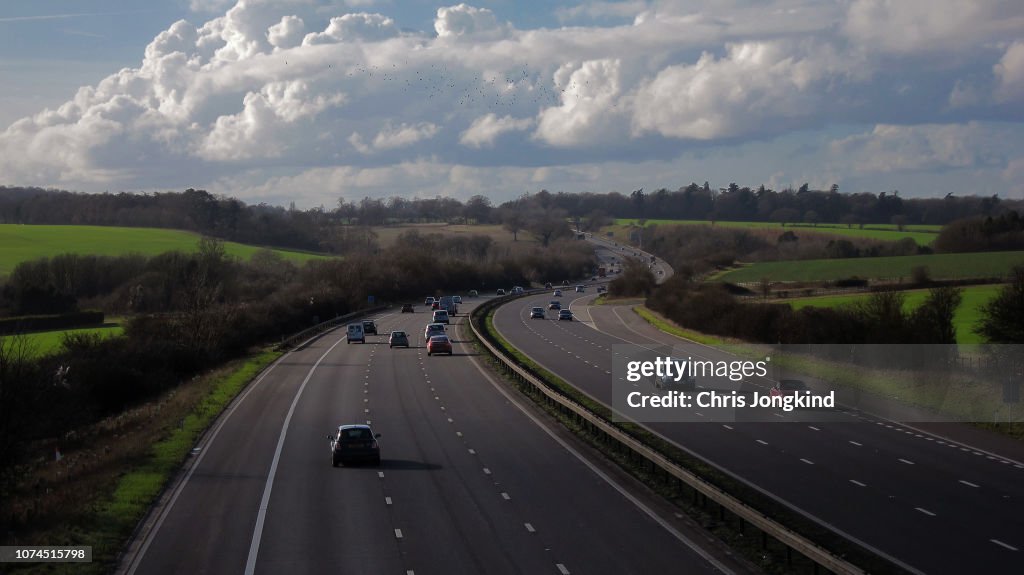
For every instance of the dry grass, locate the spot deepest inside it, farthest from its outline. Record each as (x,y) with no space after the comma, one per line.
(55,498)
(387,236)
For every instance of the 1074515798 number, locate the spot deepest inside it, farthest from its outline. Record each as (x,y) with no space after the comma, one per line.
(46,554)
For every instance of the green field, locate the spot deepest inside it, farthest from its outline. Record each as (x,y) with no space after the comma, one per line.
(20,243)
(967,315)
(922,234)
(46,342)
(940,266)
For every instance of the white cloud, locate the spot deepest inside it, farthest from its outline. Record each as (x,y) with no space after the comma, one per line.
(589,110)
(467,21)
(391,137)
(486,129)
(1009,73)
(754,86)
(890,148)
(905,26)
(353,27)
(287,33)
(304,87)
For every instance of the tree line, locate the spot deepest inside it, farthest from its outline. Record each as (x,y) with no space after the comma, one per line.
(323,229)
(188,312)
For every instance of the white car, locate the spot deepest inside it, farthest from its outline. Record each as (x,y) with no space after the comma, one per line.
(441,316)
(433,329)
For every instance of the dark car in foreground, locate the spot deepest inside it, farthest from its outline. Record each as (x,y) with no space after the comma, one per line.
(537,313)
(352,443)
(407,308)
(565,315)
(369,326)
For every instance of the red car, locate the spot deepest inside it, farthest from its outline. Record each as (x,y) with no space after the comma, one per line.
(788,387)
(439,344)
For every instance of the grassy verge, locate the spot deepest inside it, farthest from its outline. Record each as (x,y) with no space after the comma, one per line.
(121,466)
(770,556)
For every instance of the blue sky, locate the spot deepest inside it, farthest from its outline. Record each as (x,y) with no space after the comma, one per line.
(311,101)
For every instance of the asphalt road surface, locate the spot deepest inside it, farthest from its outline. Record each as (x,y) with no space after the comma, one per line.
(469,482)
(937,506)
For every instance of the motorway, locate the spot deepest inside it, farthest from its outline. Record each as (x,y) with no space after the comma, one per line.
(470,482)
(936,506)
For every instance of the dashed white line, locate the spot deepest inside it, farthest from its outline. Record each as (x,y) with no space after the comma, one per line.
(726,426)
(969,484)
(1001,544)
(387,501)
(762,442)
(807,461)
(905,461)
(925,511)
(472,452)
(398,533)
(564,571)
(505,496)
(487,471)
(814,428)
(380,474)
(858,483)
(857,444)
(530,528)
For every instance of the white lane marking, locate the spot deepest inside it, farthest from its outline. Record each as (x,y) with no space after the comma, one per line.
(726,426)
(368,422)
(487,471)
(530,528)
(857,444)
(925,511)
(814,428)
(505,496)
(612,483)
(380,474)
(762,442)
(807,461)
(261,517)
(398,533)
(177,491)
(387,501)
(905,461)
(858,483)
(564,571)
(969,484)
(410,572)
(459,433)
(472,452)
(1001,544)
(450,420)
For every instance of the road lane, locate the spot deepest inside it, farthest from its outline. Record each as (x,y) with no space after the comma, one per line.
(468,482)
(774,457)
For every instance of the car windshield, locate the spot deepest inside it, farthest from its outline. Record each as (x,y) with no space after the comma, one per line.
(398,334)
(356,433)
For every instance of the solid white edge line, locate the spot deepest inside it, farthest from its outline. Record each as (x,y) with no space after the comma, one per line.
(968,483)
(257,534)
(181,486)
(1001,544)
(925,511)
(611,482)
